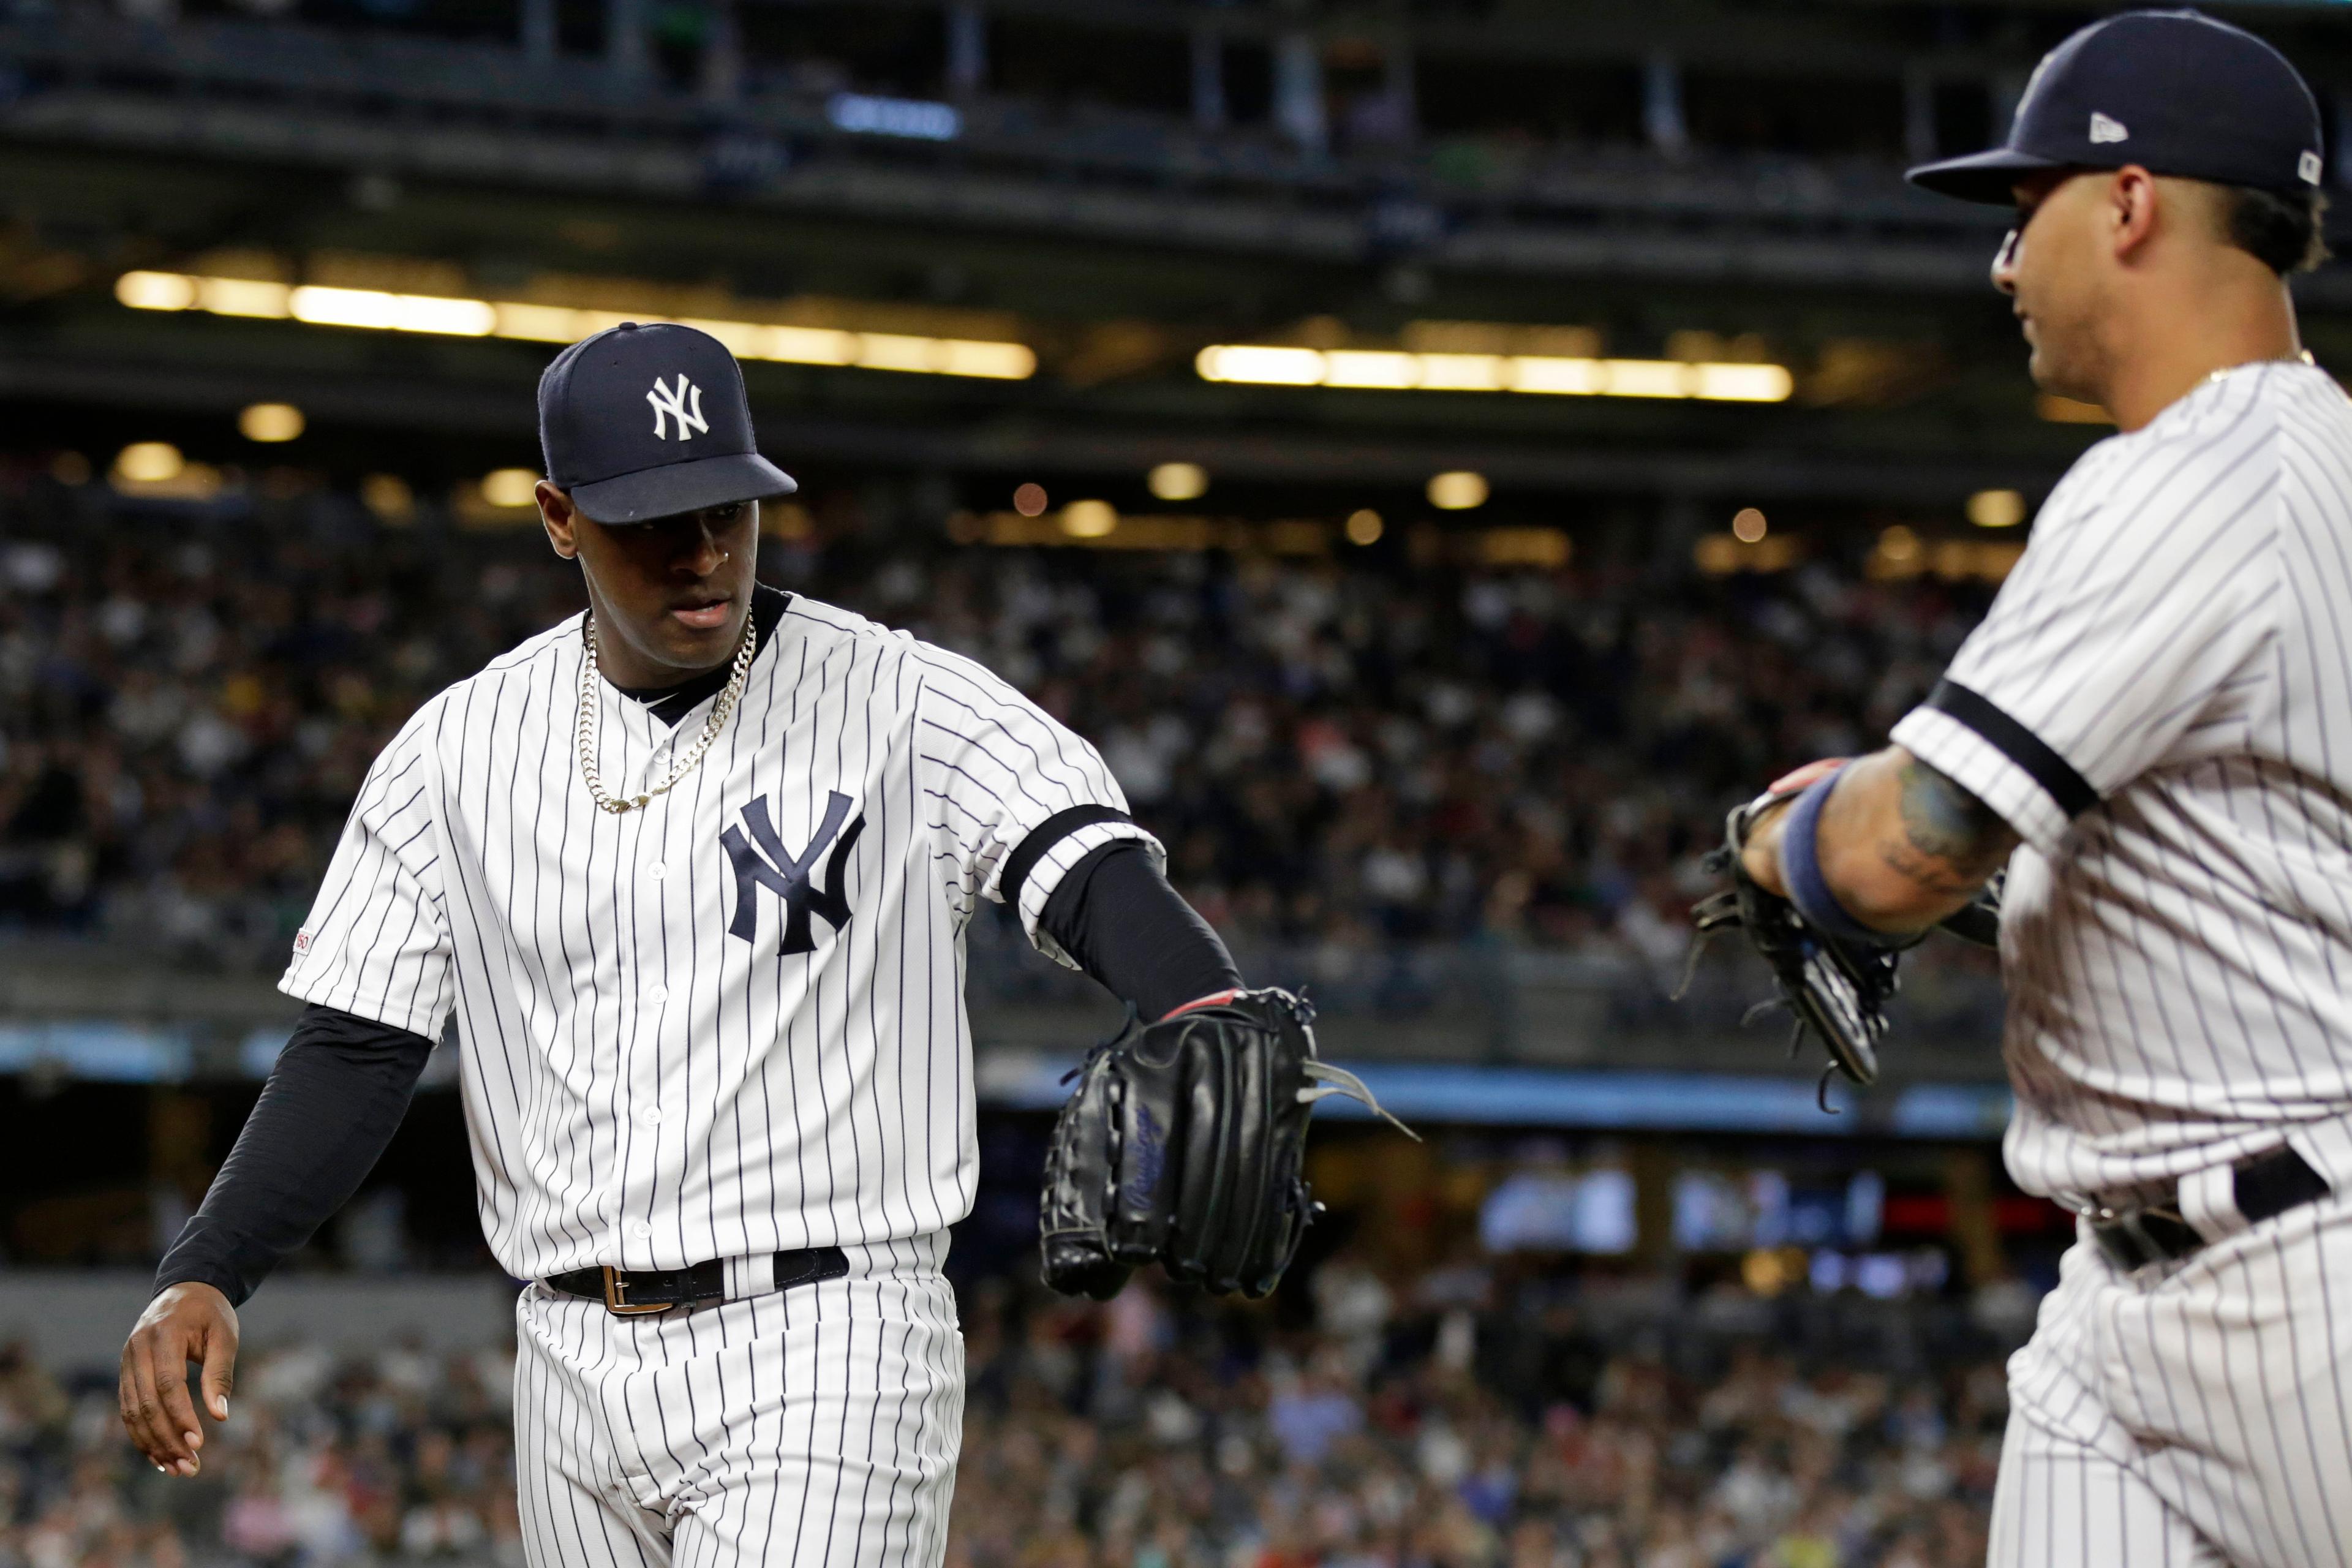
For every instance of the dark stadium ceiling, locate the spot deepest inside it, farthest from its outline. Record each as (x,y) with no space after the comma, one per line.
(1114,246)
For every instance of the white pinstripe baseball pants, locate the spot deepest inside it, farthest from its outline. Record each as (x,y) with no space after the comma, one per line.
(817,1426)
(2190,1415)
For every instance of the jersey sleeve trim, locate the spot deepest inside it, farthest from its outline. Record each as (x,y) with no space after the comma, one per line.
(2056,776)
(1044,836)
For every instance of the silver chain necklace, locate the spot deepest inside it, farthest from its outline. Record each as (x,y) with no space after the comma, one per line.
(584,725)
(2301,356)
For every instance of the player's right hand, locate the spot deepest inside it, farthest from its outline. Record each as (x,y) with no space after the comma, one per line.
(187,1323)
(1761,855)
(1811,774)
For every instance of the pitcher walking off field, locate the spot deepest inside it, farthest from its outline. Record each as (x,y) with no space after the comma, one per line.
(692,871)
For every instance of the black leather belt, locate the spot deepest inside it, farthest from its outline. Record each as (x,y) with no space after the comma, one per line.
(626,1292)
(2263,1188)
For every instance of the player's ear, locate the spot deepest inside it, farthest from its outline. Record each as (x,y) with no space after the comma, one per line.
(2131,204)
(557,515)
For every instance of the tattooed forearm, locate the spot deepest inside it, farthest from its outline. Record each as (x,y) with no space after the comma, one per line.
(1950,842)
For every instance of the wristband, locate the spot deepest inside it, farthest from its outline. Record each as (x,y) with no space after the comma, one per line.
(1801,868)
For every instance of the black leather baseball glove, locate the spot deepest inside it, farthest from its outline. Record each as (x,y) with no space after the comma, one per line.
(1184,1144)
(1838,990)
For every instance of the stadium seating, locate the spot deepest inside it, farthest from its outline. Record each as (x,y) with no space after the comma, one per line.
(1342,755)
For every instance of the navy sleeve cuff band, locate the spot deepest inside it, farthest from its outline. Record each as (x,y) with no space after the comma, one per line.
(1044,836)
(2020,745)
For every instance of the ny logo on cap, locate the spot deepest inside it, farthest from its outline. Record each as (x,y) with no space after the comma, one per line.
(2104,129)
(670,405)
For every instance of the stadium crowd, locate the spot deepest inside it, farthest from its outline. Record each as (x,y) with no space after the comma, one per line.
(1466,1417)
(1358,749)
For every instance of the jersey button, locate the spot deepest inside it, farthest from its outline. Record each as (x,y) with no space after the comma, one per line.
(640,1229)
(649,1116)
(657,994)
(657,870)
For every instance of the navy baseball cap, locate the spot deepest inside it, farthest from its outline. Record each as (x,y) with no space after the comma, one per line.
(641,422)
(2174,91)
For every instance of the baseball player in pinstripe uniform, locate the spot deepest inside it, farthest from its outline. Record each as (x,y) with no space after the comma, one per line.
(692,871)
(2152,731)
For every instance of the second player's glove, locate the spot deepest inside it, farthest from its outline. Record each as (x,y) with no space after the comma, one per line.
(1837,990)
(1184,1144)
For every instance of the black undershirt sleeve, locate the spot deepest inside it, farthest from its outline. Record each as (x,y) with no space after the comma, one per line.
(1118,918)
(333,1103)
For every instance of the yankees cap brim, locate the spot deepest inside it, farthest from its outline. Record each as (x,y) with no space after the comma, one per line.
(1990,177)
(676,488)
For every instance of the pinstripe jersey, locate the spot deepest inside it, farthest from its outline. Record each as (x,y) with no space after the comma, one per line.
(732,1023)
(2159,702)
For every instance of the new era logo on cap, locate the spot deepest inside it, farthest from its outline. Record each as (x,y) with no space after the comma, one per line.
(2105,127)
(2307,166)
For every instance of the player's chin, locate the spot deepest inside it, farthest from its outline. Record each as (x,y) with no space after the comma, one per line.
(2057,381)
(2047,374)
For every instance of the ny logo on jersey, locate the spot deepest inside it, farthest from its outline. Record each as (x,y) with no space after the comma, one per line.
(762,861)
(682,405)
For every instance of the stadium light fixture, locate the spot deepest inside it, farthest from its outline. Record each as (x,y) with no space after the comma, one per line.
(1178,481)
(270,422)
(383,311)
(1457,491)
(1264,364)
(1996,509)
(242,297)
(375,309)
(1090,519)
(1259,365)
(1747,524)
(149,462)
(1364,526)
(155,291)
(510,487)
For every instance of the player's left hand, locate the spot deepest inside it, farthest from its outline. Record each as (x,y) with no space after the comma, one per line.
(187,1322)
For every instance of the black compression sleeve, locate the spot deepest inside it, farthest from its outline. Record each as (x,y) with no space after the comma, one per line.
(333,1103)
(1117,917)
